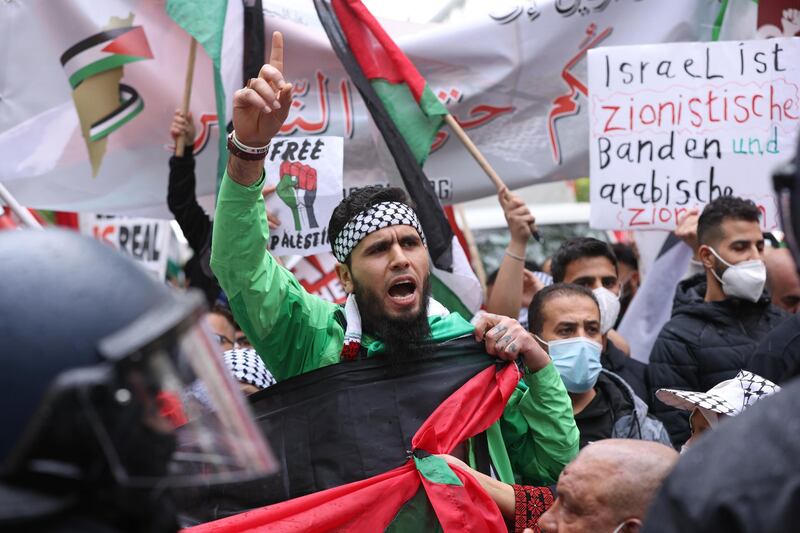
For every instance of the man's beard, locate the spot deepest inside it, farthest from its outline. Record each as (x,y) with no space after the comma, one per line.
(401,337)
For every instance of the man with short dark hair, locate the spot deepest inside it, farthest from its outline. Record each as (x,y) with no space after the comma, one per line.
(718,317)
(383,265)
(565,319)
(591,263)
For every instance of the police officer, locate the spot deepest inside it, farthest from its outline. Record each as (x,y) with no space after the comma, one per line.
(110,392)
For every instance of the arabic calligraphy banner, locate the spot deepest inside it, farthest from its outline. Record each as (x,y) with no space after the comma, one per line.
(515,77)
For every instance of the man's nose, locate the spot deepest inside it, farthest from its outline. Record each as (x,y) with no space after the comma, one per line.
(398,258)
(754,253)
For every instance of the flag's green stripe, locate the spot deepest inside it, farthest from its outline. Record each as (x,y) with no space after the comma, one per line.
(116,125)
(222,124)
(718,22)
(108,63)
(436,469)
(205,21)
(430,104)
(417,128)
(445,296)
(415,515)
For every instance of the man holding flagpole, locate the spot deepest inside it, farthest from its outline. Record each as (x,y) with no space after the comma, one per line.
(384,266)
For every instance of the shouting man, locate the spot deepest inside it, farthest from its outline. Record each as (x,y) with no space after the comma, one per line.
(384,267)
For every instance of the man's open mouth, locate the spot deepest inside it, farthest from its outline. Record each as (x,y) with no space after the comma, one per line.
(402,290)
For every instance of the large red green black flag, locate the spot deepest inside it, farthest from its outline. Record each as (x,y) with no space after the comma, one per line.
(402,105)
(423,494)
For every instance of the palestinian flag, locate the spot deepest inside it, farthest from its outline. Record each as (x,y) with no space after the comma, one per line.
(105,51)
(358,445)
(403,107)
(217,25)
(408,114)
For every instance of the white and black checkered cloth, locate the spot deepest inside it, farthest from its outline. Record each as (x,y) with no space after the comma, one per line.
(729,397)
(377,217)
(247,367)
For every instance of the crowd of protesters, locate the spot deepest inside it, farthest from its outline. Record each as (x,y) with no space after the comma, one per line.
(589,437)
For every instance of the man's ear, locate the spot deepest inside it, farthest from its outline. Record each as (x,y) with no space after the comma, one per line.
(706,257)
(634,525)
(345,277)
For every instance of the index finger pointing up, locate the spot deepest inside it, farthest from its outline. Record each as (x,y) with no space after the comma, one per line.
(276,52)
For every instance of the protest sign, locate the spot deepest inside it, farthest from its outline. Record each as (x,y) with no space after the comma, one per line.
(317,275)
(514,78)
(144,240)
(307,172)
(676,126)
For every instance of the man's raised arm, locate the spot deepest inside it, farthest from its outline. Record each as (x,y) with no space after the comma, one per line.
(293,332)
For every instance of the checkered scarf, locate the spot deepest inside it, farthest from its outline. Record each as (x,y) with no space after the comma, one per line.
(352,335)
(377,217)
(247,367)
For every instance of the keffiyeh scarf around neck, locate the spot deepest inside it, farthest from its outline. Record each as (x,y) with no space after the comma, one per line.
(352,335)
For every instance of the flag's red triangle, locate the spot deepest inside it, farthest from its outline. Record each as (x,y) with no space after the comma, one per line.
(131,43)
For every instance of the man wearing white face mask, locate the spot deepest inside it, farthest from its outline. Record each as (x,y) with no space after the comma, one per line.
(591,263)
(565,320)
(718,317)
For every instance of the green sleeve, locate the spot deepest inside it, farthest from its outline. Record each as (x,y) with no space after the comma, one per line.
(538,428)
(293,331)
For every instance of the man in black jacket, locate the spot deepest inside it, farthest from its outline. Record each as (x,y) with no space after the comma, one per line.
(592,264)
(195,223)
(718,317)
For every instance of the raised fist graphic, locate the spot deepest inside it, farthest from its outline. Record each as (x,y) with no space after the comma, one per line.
(297,188)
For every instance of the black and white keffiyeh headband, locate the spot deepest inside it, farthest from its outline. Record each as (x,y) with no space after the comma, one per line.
(377,217)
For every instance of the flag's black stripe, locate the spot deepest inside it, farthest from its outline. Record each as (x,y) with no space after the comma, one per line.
(127,103)
(94,40)
(254,40)
(434,222)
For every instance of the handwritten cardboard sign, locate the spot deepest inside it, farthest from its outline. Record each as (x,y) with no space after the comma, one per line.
(308,174)
(675,126)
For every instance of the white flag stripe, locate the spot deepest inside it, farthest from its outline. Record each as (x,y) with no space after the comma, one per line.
(87,57)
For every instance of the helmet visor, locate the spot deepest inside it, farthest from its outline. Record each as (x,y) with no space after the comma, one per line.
(187,395)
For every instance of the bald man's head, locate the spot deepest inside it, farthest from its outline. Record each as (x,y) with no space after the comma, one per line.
(610,482)
(783,281)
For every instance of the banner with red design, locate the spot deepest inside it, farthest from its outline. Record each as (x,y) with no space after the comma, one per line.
(514,76)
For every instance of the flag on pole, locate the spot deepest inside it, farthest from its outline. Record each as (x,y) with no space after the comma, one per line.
(404,109)
(217,25)
(409,115)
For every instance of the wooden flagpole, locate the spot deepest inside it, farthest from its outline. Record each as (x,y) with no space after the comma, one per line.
(474,253)
(180,144)
(481,160)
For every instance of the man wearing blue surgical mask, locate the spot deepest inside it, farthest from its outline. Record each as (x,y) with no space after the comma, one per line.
(718,316)
(591,263)
(565,320)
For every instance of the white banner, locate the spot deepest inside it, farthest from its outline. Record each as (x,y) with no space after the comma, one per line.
(87,104)
(144,240)
(515,77)
(308,175)
(675,126)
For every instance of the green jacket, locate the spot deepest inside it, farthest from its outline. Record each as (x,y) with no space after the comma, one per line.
(296,332)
